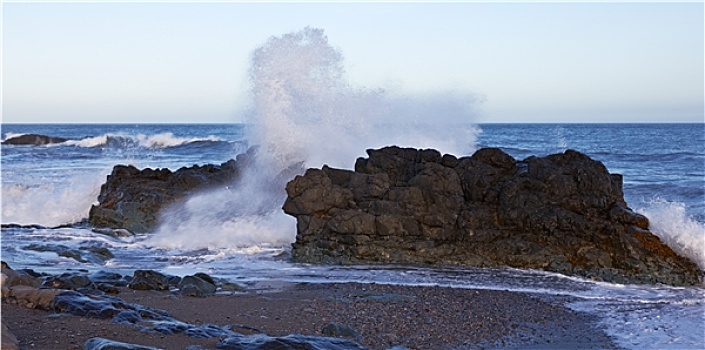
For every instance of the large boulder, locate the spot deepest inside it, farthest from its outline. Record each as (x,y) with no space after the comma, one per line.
(131,198)
(563,213)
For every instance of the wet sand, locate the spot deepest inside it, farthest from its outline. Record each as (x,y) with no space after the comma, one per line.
(383,316)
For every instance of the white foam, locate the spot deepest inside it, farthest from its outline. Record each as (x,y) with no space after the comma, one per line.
(89,142)
(10,135)
(49,203)
(162,140)
(682,233)
(167,139)
(246,214)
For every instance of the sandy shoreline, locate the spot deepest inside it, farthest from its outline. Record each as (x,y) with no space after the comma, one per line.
(383,316)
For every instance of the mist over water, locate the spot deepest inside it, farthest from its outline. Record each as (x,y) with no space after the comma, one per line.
(306,114)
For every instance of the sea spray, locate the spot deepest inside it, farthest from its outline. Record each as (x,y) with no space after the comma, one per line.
(50,204)
(306,114)
(682,233)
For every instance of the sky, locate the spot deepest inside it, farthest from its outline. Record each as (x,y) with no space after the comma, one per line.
(522,62)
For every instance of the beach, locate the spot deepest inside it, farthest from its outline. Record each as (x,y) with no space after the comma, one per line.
(374,315)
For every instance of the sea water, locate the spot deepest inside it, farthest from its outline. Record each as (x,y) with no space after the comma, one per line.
(304,112)
(663,167)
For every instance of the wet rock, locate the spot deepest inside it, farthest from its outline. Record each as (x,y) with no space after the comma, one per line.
(127,317)
(200,285)
(87,302)
(79,304)
(120,233)
(110,278)
(106,344)
(228,286)
(33,139)
(149,280)
(67,280)
(291,342)
(86,254)
(104,307)
(563,213)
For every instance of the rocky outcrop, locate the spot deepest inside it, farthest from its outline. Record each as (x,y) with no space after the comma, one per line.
(132,199)
(83,297)
(33,139)
(563,212)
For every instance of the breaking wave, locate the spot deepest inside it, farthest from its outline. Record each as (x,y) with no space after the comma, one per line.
(163,140)
(307,114)
(682,233)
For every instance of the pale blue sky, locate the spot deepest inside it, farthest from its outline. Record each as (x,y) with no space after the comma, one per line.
(187,62)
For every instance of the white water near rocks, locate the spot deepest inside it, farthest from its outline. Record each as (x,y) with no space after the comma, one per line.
(240,232)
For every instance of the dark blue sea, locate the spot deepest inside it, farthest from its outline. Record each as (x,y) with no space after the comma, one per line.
(50,185)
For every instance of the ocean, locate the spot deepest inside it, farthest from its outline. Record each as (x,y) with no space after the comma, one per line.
(53,185)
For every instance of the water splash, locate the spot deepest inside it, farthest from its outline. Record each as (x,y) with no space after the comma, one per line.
(48,203)
(682,233)
(305,112)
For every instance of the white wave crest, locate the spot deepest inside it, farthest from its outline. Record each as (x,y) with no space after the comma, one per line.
(11,135)
(167,139)
(682,233)
(89,142)
(163,140)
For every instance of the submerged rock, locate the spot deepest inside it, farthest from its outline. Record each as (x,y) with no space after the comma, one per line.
(563,213)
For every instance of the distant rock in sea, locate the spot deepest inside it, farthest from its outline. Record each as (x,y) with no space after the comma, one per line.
(33,139)
(563,212)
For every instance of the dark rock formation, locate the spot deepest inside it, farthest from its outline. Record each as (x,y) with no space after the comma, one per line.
(563,212)
(68,281)
(149,280)
(33,139)
(199,285)
(131,198)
